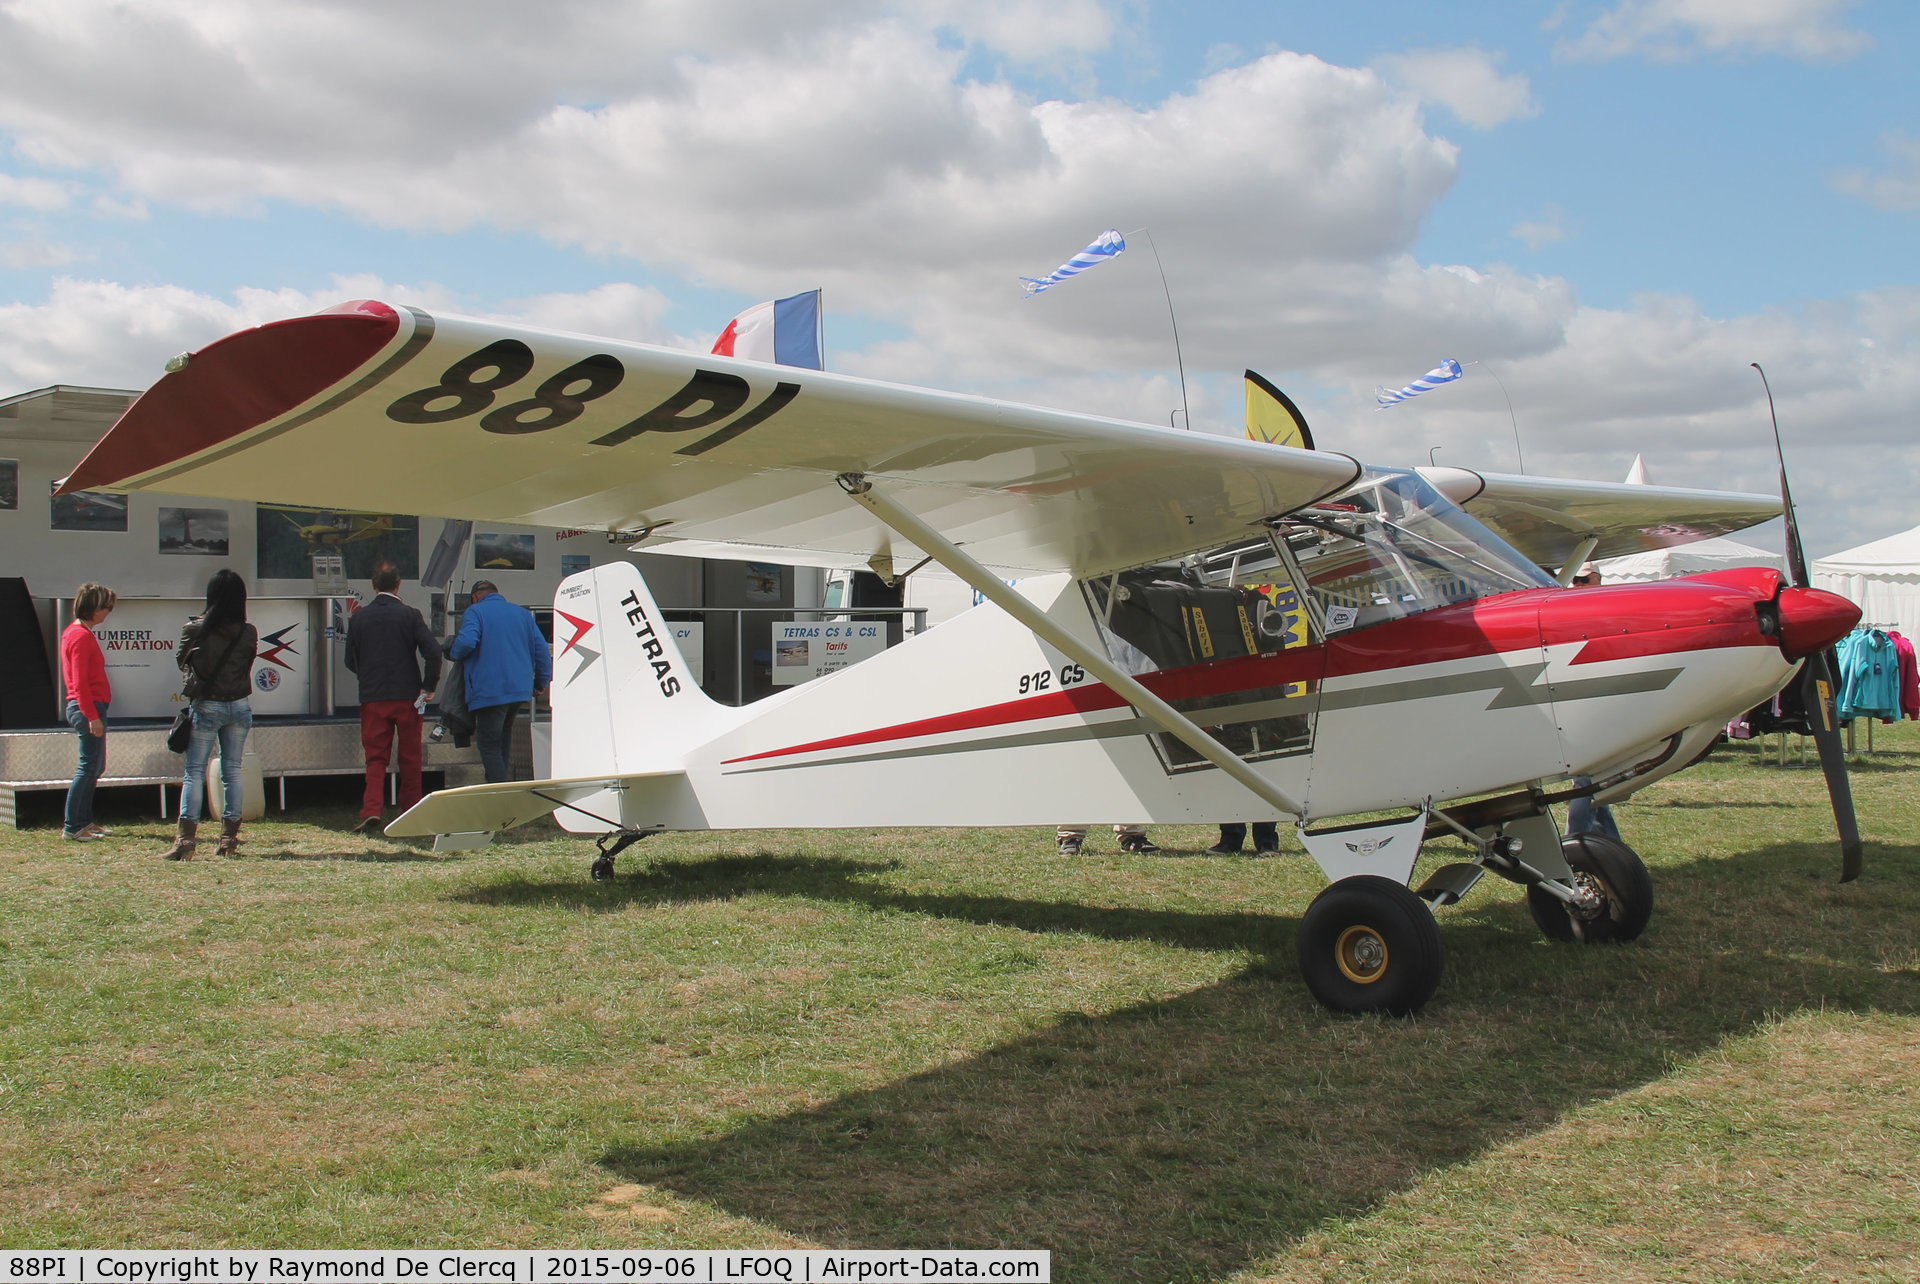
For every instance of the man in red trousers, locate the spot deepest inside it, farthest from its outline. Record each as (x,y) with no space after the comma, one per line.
(386,642)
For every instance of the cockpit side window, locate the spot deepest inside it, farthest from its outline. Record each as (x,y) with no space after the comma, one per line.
(1227,604)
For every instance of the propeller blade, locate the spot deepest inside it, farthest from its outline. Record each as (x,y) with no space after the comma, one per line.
(1816,677)
(1817,689)
(1796,553)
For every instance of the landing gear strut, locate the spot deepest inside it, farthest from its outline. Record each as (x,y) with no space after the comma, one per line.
(610,845)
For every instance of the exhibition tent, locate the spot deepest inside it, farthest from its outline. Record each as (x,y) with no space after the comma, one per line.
(1882,577)
(1688,559)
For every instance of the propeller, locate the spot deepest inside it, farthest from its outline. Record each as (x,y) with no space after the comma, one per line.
(1816,679)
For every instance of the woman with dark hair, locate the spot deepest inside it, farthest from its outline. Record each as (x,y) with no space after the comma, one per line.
(216,655)
(84,670)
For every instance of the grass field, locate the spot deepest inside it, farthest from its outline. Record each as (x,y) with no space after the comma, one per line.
(959,1038)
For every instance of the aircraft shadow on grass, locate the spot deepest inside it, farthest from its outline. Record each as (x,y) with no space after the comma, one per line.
(729,877)
(366,856)
(1191,1136)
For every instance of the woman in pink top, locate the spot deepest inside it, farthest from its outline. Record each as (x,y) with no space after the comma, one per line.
(85,671)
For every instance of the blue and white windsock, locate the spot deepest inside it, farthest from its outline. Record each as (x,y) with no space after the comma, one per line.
(1104,247)
(1446,372)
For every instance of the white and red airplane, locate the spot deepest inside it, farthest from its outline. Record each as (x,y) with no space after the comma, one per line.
(1203,628)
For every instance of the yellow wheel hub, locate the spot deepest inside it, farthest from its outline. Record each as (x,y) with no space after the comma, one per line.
(1362,955)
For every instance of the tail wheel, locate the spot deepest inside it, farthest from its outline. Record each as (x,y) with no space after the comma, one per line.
(1368,944)
(1619,887)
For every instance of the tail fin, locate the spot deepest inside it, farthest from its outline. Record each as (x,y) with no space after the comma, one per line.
(623,699)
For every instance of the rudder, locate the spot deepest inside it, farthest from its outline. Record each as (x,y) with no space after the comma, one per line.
(623,698)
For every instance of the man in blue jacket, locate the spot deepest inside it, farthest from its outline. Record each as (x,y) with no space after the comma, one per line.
(507,662)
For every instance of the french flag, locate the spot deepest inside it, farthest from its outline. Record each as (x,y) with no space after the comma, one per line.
(785,332)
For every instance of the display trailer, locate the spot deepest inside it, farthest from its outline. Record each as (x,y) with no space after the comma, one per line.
(307,571)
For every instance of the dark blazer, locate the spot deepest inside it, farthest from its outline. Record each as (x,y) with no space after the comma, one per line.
(234,678)
(386,640)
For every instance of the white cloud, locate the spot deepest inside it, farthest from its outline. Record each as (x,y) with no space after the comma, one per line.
(1677,29)
(1549,228)
(104,334)
(1467,82)
(36,253)
(769,148)
(811,153)
(108,207)
(1664,380)
(619,310)
(1025,31)
(1897,187)
(43,195)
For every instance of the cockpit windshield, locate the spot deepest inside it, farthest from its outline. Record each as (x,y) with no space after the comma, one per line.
(1393,546)
(1389,546)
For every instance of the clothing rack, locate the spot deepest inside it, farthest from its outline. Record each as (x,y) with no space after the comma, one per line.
(1866,626)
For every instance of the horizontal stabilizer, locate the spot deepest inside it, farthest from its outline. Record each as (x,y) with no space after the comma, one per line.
(492,808)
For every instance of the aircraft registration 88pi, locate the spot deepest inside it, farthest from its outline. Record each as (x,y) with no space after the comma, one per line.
(1202,628)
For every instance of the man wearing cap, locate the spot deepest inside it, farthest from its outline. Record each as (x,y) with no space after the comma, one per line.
(507,662)
(386,642)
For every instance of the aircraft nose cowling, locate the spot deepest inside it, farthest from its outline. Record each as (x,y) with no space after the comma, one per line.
(1812,619)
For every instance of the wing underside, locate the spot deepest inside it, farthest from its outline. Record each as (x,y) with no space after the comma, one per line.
(394,409)
(383,408)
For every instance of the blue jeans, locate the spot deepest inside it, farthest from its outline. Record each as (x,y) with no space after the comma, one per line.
(1585,816)
(93,761)
(225,722)
(493,730)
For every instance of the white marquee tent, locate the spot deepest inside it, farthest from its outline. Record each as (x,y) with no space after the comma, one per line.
(1883,577)
(1688,559)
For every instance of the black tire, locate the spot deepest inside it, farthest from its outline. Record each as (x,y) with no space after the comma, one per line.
(1621,878)
(1368,944)
(602,870)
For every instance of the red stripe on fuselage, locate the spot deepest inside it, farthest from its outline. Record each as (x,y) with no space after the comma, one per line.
(234,385)
(1651,619)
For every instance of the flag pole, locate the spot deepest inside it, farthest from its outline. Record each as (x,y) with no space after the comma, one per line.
(1179,361)
(1511,418)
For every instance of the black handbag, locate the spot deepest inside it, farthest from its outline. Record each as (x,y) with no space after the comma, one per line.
(180,734)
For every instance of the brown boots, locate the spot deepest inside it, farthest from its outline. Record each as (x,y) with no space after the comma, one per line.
(183,841)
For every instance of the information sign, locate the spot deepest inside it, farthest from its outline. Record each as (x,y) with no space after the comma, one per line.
(804,650)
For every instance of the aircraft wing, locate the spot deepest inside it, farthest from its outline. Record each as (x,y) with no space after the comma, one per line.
(1548,518)
(388,408)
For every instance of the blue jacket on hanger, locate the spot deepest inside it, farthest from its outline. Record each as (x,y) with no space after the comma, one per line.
(1869,675)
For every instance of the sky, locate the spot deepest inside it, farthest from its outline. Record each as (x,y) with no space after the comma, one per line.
(1605,209)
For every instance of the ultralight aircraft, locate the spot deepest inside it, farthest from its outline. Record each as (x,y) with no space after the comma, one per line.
(1202,629)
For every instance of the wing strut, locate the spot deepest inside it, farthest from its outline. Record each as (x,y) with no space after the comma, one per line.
(1577,560)
(1094,661)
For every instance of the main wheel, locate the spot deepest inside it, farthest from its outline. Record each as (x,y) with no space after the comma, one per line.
(1368,944)
(1616,874)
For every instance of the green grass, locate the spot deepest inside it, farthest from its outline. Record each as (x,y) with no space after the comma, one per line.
(958,1038)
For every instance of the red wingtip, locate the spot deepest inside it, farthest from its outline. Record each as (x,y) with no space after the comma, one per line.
(234,384)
